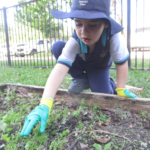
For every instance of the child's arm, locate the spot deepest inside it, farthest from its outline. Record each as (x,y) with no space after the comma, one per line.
(54,81)
(41,112)
(122,72)
(120,55)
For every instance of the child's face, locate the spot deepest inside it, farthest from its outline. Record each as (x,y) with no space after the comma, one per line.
(89,31)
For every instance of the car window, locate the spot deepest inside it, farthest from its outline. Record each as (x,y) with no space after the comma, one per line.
(32,42)
(20,45)
(40,42)
(4,46)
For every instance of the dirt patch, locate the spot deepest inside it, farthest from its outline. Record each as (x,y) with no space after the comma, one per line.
(81,126)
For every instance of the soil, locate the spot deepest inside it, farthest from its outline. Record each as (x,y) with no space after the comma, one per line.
(123,129)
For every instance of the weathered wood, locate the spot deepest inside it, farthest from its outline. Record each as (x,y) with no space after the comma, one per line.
(134,89)
(3,86)
(103,100)
(107,101)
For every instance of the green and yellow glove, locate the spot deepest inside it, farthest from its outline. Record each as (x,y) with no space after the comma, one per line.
(40,113)
(122,92)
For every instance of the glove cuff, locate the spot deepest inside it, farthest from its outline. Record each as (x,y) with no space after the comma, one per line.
(120,89)
(48,102)
(120,92)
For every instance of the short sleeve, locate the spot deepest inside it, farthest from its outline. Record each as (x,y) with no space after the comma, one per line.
(118,49)
(69,52)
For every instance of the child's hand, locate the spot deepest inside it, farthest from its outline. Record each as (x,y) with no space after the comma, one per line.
(40,113)
(122,92)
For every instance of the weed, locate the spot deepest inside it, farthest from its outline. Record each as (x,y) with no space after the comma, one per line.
(64,133)
(96,107)
(57,144)
(98,146)
(115,146)
(80,125)
(132,131)
(5,137)
(143,113)
(77,112)
(103,117)
(142,144)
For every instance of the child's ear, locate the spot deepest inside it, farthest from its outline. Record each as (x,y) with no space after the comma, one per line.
(106,25)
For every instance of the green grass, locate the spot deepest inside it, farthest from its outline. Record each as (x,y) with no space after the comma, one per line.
(41,60)
(37,60)
(38,76)
(140,64)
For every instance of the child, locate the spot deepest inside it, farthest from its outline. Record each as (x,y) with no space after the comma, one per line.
(87,56)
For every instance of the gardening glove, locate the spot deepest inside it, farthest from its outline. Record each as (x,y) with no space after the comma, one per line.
(122,92)
(40,113)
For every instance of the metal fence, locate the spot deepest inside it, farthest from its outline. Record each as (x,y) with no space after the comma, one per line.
(140,34)
(28,31)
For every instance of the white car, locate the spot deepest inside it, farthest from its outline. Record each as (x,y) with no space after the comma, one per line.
(3,50)
(33,47)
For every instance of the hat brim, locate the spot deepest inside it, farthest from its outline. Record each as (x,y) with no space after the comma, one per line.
(82,14)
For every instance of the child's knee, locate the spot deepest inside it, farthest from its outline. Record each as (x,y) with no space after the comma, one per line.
(57,48)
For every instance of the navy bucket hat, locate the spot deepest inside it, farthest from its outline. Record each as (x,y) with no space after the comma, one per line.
(90,9)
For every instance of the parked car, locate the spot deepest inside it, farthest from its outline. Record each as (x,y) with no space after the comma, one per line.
(29,48)
(3,49)
(32,47)
(20,49)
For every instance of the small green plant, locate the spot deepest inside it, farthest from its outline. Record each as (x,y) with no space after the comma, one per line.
(80,125)
(103,117)
(2,126)
(77,112)
(98,146)
(83,101)
(57,144)
(96,107)
(143,144)
(132,131)
(64,133)
(5,137)
(115,146)
(143,113)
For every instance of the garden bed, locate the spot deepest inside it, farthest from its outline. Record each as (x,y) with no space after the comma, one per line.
(87,121)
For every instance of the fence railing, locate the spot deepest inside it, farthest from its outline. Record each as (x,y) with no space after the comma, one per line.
(140,35)
(28,31)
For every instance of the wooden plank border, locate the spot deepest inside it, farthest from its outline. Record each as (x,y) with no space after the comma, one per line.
(105,101)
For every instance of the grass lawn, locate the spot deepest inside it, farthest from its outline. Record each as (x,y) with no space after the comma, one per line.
(38,76)
(46,59)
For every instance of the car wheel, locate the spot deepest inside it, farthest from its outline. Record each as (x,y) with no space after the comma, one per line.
(16,55)
(34,51)
(22,55)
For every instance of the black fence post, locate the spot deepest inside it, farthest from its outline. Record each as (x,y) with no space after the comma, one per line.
(129,29)
(7,37)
